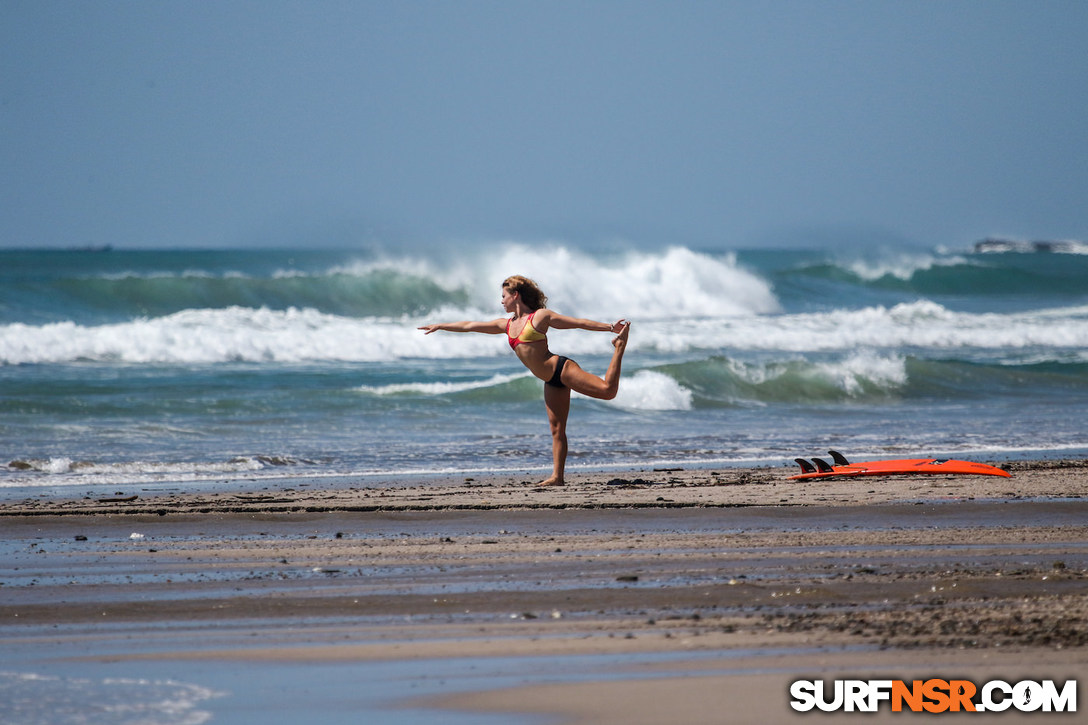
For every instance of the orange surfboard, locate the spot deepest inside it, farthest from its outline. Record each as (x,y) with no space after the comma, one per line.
(820,468)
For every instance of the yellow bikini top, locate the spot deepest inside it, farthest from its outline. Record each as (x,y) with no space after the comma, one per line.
(528,333)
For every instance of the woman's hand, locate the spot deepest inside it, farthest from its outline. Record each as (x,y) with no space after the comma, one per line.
(618,325)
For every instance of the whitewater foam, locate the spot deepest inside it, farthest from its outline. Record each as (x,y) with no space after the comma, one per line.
(638,285)
(28,699)
(645,390)
(239,334)
(648,287)
(440,388)
(62,465)
(865,371)
(651,390)
(902,266)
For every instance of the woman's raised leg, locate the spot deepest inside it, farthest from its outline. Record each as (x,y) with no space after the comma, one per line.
(589,384)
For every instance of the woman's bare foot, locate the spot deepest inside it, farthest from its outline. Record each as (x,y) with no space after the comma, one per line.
(552,481)
(620,341)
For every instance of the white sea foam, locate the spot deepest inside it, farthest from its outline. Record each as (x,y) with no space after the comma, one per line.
(902,265)
(440,388)
(848,373)
(857,371)
(651,390)
(921,324)
(675,283)
(638,285)
(31,699)
(238,334)
(645,390)
(234,334)
(108,471)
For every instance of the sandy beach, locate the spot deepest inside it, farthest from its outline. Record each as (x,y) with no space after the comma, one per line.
(681,596)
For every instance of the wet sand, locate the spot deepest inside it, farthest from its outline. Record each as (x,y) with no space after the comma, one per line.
(706,591)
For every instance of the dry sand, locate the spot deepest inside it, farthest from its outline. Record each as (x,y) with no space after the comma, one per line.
(756,579)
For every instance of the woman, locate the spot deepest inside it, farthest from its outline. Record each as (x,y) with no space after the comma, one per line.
(527,333)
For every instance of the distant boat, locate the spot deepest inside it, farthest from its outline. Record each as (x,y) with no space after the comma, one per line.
(992,245)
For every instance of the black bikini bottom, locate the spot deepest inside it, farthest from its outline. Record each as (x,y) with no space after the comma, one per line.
(556,381)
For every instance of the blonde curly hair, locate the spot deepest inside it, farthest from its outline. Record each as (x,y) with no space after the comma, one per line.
(527,289)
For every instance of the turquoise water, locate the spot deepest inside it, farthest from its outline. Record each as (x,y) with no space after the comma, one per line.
(136,367)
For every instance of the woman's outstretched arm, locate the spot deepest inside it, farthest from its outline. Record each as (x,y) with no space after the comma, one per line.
(564,322)
(490,327)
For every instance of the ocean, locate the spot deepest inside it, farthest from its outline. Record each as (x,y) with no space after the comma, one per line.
(127,370)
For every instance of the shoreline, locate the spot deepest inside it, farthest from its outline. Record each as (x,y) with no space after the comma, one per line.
(642,488)
(603,601)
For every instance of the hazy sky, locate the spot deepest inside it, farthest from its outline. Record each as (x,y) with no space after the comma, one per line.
(728,124)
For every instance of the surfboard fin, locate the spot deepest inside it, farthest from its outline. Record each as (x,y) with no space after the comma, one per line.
(806,467)
(838,458)
(823,466)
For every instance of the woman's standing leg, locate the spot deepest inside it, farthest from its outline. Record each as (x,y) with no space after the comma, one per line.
(557,401)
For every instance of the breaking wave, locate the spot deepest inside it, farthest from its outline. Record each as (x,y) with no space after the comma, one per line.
(240,334)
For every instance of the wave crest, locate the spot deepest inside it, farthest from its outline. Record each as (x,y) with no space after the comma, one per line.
(306,335)
(861,376)
(646,286)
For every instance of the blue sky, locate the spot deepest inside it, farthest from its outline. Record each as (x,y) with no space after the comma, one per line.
(723,124)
